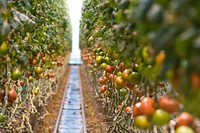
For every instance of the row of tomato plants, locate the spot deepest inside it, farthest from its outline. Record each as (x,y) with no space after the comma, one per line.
(144,62)
(34,39)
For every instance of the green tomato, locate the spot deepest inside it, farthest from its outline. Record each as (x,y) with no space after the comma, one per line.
(1,117)
(142,122)
(99,59)
(16,74)
(160,117)
(134,77)
(184,129)
(3,48)
(107,60)
(103,65)
(119,73)
(123,92)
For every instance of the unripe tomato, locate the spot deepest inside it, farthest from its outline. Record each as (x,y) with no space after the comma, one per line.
(3,48)
(123,92)
(184,129)
(160,117)
(103,65)
(142,122)
(16,74)
(12,95)
(168,104)
(99,59)
(35,91)
(30,79)
(1,117)
(134,77)
(107,60)
(185,119)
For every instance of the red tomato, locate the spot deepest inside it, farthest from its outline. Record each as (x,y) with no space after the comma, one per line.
(109,68)
(102,80)
(168,104)
(185,119)
(147,106)
(103,88)
(12,95)
(137,109)
(130,85)
(2,94)
(21,83)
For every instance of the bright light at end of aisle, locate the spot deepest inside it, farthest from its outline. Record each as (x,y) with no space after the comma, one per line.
(74,7)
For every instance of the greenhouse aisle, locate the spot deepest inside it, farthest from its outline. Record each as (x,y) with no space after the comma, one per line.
(71,118)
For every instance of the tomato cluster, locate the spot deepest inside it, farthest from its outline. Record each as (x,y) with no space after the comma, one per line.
(124,89)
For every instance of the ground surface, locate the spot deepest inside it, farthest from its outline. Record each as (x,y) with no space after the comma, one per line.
(96,121)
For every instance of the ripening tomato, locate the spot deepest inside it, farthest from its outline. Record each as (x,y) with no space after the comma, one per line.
(168,104)
(121,66)
(43,59)
(125,74)
(142,122)
(119,81)
(38,70)
(16,74)
(12,95)
(111,77)
(185,119)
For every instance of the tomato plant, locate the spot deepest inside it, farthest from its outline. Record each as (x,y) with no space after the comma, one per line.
(33,34)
